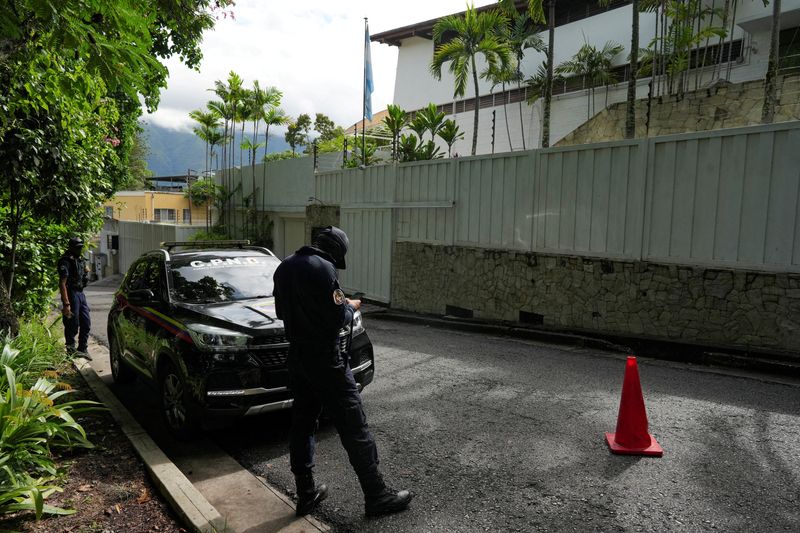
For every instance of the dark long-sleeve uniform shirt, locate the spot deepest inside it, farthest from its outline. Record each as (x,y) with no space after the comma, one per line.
(309,300)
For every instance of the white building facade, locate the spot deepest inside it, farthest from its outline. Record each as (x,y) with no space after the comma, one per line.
(577,22)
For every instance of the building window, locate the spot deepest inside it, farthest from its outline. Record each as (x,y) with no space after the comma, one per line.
(187,216)
(110,211)
(164,215)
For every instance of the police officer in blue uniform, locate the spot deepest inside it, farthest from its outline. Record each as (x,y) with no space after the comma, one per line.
(73,275)
(314,309)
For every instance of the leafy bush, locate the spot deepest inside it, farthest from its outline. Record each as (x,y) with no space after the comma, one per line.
(33,418)
(39,247)
(278,156)
(213,235)
(34,351)
(31,425)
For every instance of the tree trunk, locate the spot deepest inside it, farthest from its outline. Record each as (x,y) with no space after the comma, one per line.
(477,107)
(730,42)
(8,319)
(548,90)
(630,108)
(505,116)
(771,82)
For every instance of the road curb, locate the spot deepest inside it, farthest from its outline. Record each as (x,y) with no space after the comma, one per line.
(195,510)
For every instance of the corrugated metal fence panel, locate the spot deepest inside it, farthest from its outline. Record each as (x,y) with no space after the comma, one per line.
(726,198)
(137,238)
(328,187)
(494,201)
(426,182)
(369,258)
(372,185)
(589,199)
(284,183)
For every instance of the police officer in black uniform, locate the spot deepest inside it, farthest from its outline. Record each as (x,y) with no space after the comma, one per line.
(314,309)
(73,276)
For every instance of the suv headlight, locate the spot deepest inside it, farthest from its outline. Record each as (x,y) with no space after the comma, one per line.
(215,338)
(358,324)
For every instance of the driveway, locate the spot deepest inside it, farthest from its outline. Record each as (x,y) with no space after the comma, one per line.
(498,434)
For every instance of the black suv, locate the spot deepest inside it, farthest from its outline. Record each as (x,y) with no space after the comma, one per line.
(200,324)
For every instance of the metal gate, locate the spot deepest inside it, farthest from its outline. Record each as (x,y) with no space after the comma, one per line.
(365,198)
(369,259)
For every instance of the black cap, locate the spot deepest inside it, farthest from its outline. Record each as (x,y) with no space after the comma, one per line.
(335,243)
(76,242)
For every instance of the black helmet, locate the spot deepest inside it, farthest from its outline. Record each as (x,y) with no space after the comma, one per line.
(75,243)
(334,242)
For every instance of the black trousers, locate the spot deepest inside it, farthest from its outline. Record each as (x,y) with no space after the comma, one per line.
(320,378)
(79,323)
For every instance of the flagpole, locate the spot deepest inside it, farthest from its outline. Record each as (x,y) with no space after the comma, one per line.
(364,104)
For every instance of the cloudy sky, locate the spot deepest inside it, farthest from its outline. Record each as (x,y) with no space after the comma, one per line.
(312,50)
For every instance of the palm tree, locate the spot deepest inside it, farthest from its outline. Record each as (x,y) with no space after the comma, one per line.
(395,120)
(208,122)
(594,66)
(630,102)
(501,76)
(432,119)
(272,115)
(521,34)
(450,133)
(548,86)
(419,126)
(225,111)
(771,81)
(472,34)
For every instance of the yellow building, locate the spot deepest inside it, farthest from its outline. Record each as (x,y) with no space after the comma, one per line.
(154,206)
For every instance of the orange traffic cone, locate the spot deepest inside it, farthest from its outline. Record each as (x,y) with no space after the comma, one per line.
(631,437)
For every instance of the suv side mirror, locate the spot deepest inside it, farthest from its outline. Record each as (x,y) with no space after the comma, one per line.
(141,297)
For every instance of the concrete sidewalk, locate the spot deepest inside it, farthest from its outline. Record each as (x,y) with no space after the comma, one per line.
(208,489)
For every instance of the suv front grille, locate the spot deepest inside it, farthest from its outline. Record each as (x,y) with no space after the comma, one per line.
(272,358)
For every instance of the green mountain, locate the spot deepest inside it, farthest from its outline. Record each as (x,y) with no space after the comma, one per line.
(172,153)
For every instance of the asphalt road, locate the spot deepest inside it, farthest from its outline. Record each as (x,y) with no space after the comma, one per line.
(498,434)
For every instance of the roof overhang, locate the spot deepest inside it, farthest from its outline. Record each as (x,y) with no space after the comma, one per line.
(763,21)
(423,29)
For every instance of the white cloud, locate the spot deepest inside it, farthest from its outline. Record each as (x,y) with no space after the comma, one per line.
(312,50)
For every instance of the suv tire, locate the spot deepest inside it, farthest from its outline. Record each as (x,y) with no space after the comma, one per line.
(174,406)
(120,370)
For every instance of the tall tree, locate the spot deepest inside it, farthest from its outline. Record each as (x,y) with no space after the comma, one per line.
(297,133)
(207,123)
(472,34)
(69,120)
(522,34)
(327,129)
(594,66)
(548,86)
(771,81)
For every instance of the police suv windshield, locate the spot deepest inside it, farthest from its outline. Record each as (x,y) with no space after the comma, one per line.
(217,278)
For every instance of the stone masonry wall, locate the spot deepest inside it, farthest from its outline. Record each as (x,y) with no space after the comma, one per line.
(717,307)
(320,216)
(721,106)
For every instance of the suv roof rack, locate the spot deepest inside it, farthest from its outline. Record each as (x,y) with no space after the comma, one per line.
(169,245)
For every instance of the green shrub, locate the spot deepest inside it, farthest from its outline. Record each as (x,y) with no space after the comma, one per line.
(213,235)
(32,424)
(35,350)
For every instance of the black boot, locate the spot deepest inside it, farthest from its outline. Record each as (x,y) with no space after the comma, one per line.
(379,499)
(309,494)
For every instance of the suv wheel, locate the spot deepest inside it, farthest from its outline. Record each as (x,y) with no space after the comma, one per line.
(174,407)
(120,370)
